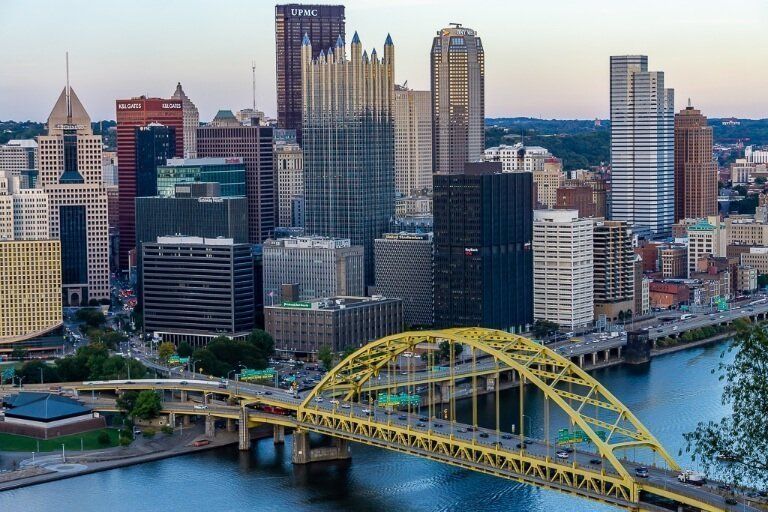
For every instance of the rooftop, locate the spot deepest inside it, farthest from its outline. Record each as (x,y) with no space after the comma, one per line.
(43,407)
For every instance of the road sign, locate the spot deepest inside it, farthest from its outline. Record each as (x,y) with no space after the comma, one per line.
(8,373)
(385,399)
(248,374)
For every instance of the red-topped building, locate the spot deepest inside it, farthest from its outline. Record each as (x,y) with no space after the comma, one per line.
(132,114)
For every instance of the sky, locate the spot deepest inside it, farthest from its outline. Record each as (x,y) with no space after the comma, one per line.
(546,58)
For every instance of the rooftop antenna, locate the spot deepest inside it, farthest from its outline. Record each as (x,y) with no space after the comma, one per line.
(68,93)
(455,25)
(253,71)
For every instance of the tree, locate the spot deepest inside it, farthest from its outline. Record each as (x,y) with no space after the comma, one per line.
(742,436)
(185,349)
(444,350)
(165,350)
(263,342)
(147,405)
(325,356)
(31,372)
(91,317)
(762,280)
(112,339)
(18,353)
(543,328)
(127,401)
(103,438)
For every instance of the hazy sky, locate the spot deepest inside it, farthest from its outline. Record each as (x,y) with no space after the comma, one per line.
(546,58)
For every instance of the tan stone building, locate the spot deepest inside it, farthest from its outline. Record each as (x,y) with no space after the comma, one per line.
(547,181)
(412,117)
(289,170)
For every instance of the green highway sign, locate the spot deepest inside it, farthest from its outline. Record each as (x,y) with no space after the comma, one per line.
(247,374)
(8,373)
(385,399)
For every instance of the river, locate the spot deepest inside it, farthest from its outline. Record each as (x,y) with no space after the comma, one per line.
(669,395)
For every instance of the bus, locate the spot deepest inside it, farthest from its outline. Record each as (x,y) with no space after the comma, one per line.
(686,316)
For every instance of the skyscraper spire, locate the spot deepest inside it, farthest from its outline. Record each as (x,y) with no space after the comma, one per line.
(69,91)
(253,82)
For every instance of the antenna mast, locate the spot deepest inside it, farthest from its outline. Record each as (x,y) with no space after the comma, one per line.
(253,71)
(69,98)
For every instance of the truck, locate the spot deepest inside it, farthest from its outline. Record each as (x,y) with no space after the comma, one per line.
(689,476)
(686,316)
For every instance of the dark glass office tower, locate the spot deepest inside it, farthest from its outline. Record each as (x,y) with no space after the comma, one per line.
(155,144)
(74,246)
(323,24)
(483,258)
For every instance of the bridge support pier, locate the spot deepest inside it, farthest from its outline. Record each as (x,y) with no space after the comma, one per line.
(183,394)
(172,419)
(210,426)
(581,361)
(303,453)
(594,358)
(230,425)
(244,437)
(185,420)
(278,434)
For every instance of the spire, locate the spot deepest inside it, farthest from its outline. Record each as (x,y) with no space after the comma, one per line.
(355,38)
(306,41)
(69,91)
(339,42)
(689,103)
(388,41)
(365,55)
(374,56)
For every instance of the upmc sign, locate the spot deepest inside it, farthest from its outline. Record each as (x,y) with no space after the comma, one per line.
(303,12)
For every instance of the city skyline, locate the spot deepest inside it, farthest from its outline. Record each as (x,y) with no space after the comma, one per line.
(532,70)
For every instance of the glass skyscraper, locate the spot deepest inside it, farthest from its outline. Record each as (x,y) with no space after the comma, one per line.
(349,144)
(228,172)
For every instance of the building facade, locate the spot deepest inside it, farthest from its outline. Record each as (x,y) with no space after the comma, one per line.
(483,258)
(705,238)
(289,168)
(614,270)
(563,271)
(132,114)
(413,141)
(695,166)
(348,115)
(190,120)
(229,173)
(18,155)
(457,77)
(339,323)
(518,158)
(642,146)
(323,25)
(195,288)
(405,270)
(155,144)
(321,267)
(547,181)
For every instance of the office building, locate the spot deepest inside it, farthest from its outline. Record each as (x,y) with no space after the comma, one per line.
(563,271)
(69,159)
(24,213)
(132,114)
(225,137)
(695,166)
(195,288)
(483,259)
(321,267)
(190,121)
(109,168)
(756,155)
(289,168)
(301,329)
(518,157)
(757,258)
(707,237)
(674,262)
(405,270)
(547,180)
(229,173)
(155,144)
(457,77)
(18,155)
(642,146)
(348,144)
(614,270)
(576,197)
(413,141)
(323,25)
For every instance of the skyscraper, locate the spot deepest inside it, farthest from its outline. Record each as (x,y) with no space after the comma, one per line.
(69,158)
(349,143)
(483,259)
(289,170)
(413,141)
(131,114)
(323,25)
(642,146)
(614,269)
(155,144)
(695,167)
(458,98)
(191,121)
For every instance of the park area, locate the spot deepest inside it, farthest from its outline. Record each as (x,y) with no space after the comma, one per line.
(93,440)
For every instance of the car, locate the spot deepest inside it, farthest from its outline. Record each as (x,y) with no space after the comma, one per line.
(267,392)
(420,424)
(333,401)
(567,449)
(424,419)
(519,446)
(183,383)
(641,472)
(730,500)
(562,454)
(388,412)
(402,418)
(497,444)
(483,434)
(319,399)
(437,425)
(595,462)
(200,407)
(345,406)
(506,436)
(471,428)
(462,430)
(136,431)
(367,412)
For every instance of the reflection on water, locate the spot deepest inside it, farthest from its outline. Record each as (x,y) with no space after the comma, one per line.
(670,396)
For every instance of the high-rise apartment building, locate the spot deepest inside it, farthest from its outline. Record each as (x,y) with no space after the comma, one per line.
(413,141)
(133,114)
(321,267)
(190,120)
(18,155)
(457,65)
(518,158)
(707,237)
(614,269)
(405,269)
(695,166)
(483,259)
(349,143)
(24,212)
(642,146)
(289,168)
(563,283)
(323,25)
(69,159)
(227,138)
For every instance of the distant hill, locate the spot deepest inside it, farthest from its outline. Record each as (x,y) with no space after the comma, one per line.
(31,129)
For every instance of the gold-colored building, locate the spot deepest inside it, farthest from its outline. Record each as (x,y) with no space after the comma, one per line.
(30,289)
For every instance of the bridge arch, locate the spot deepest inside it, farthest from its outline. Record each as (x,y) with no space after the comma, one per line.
(587,403)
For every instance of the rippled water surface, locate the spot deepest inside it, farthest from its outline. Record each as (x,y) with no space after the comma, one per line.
(670,395)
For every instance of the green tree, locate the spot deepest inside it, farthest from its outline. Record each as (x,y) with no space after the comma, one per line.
(762,280)
(18,353)
(31,372)
(165,350)
(325,356)
(185,349)
(127,401)
(444,350)
(103,438)
(147,405)
(263,342)
(743,434)
(91,317)
(112,339)
(543,328)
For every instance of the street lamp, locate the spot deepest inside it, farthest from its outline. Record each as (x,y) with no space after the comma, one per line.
(41,376)
(194,362)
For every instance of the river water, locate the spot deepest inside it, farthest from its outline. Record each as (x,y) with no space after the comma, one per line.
(669,395)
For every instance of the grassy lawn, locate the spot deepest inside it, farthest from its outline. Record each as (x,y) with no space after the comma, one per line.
(14,443)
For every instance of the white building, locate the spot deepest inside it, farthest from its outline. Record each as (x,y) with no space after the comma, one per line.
(642,146)
(190,122)
(706,237)
(756,156)
(289,169)
(18,155)
(518,158)
(109,168)
(413,141)
(23,212)
(563,268)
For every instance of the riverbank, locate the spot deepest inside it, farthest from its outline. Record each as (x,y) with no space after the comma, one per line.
(692,344)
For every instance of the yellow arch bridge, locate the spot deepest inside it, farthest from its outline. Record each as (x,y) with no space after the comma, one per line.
(370,398)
